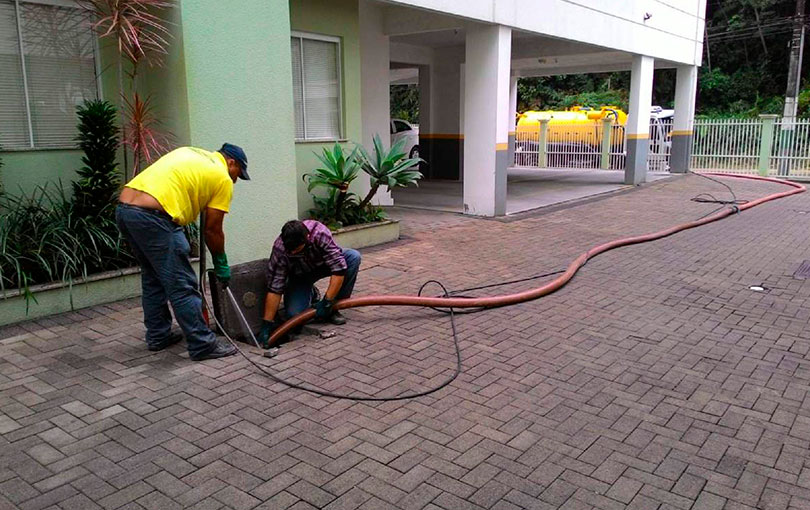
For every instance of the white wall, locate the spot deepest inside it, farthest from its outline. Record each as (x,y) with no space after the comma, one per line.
(444,96)
(674,30)
(376,92)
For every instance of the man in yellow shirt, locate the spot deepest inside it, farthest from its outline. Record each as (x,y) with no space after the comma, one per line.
(154,207)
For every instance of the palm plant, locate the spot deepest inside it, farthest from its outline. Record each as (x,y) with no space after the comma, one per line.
(141,36)
(389,168)
(338,172)
(143,135)
(139,33)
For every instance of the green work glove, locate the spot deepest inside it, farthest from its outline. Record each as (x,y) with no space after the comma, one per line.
(264,334)
(323,308)
(222,269)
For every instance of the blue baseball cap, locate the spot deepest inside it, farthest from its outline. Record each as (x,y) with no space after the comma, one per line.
(235,152)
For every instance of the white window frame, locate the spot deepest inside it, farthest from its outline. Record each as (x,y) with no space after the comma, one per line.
(96,63)
(332,39)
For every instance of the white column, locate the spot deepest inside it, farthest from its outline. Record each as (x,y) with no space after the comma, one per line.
(375,88)
(638,121)
(486,130)
(685,91)
(512,120)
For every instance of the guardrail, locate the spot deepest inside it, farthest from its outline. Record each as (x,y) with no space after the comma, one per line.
(766,145)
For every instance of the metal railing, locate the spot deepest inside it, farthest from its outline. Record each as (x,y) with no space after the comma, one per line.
(766,145)
(726,145)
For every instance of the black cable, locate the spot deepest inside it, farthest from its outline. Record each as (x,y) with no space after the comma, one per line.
(450,310)
(701,198)
(708,198)
(457,293)
(352,397)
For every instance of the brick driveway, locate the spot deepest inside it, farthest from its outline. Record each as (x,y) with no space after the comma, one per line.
(655,380)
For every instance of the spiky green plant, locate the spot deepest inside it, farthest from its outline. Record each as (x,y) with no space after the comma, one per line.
(43,239)
(338,172)
(99,179)
(387,168)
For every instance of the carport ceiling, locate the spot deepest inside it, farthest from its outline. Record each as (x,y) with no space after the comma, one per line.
(535,55)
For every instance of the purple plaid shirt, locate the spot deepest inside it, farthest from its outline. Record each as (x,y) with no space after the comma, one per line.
(321,257)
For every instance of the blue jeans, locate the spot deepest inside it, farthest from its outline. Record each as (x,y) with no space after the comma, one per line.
(166,275)
(300,289)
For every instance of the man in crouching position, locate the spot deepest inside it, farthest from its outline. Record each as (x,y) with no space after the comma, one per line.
(304,253)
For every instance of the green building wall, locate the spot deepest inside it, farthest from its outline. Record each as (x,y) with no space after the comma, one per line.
(239,82)
(336,18)
(24,170)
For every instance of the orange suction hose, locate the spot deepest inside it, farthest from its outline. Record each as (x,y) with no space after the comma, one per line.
(552,286)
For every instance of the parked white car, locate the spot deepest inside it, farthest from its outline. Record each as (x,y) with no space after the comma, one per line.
(401,129)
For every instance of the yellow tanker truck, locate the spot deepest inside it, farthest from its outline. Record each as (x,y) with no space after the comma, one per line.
(580,124)
(574,137)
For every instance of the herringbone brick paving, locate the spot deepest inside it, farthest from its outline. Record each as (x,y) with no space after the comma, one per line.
(655,380)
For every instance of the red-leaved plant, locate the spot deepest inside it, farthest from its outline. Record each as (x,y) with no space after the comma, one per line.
(141,36)
(143,136)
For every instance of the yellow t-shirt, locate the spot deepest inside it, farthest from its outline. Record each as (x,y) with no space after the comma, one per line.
(186,180)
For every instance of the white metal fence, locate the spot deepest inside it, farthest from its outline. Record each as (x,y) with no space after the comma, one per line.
(726,145)
(766,145)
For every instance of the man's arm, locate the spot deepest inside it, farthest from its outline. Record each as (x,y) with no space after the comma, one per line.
(214,236)
(271,303)
(335,283)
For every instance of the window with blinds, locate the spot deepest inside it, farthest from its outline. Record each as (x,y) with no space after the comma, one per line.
(47,69)
(316,87)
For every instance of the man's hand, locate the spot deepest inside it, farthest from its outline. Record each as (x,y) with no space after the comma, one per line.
(323,308)
(221,268)
(264,334)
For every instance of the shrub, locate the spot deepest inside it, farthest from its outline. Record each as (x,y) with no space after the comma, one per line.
(99,178)
(387,168)
(336,174)
(43,238)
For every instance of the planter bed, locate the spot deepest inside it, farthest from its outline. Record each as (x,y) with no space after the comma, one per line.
(369,234)
(55,297)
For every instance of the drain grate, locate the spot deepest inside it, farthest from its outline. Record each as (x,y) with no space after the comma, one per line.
(803,273)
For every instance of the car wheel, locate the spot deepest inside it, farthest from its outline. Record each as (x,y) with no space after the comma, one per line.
(414,152)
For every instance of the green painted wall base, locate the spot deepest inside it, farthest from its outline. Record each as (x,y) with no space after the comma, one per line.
(372,234)
(55,298)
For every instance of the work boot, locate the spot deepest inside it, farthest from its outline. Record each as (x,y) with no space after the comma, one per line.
(221,349)
(172,339)
(337,318)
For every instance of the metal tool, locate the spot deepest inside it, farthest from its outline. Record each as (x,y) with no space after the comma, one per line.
(269,353)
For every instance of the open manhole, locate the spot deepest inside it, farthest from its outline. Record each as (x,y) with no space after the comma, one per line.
(803,273)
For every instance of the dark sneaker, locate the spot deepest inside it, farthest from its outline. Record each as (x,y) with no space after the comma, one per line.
(171,340)
(221,349)
(337,318)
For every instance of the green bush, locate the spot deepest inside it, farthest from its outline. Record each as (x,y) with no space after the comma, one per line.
(99,179)
(47,235)
(43,238)
(350,213)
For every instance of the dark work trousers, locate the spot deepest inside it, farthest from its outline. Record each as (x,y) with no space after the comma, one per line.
(300,288)
(162,251)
